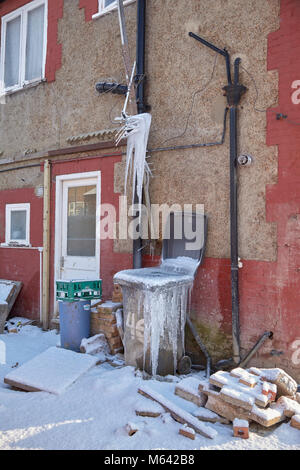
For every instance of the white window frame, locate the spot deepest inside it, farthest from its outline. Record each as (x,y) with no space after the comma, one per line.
(9,208)
(23,12)
(102,10)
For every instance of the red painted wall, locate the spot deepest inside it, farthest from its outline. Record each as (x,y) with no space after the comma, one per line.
(269,291)
(54,50)
(90,8)
(110,262)
(22,264)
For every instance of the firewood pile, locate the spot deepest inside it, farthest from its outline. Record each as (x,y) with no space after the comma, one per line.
(265,396)
(240,397)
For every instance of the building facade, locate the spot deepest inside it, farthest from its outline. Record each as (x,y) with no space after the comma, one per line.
(53,52)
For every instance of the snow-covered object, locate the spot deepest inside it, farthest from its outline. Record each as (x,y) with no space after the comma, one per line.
(160,303)
(5,289)
(190,385)
(188,389)
(52,371)
(164,321)
(95,344)
(233,390)
(291,407)
(151,278)
(180,265)
(269,416)
(296,418)
(136,131)
(240,423)
(187,432)
(246,401)
(180,414)
(110,304)
(286,385)
(119,318)
(149,406)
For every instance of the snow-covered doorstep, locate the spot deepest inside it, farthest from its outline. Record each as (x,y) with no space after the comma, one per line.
(93,412)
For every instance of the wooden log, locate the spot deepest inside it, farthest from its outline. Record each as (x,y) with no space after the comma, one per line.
(187,432)
(148,414)
(228,411)
(295,421)
(178,414)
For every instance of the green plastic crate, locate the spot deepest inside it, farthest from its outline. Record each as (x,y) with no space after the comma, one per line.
(78,289)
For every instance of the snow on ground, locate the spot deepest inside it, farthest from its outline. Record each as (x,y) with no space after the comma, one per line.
(93,412)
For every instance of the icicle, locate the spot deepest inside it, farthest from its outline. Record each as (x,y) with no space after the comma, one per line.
(164,320)
(136,131)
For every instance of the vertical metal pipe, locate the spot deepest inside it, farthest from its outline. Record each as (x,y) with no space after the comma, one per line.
(41,283)
(140,55)
(140,59)
(46,245)
(234,236)
(237,91)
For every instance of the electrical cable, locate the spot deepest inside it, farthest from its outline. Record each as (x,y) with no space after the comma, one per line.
(295,123)
(193,101)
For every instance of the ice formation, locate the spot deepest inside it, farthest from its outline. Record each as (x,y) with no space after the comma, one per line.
(136,131)
(163,298)
(164,321)
(180,265)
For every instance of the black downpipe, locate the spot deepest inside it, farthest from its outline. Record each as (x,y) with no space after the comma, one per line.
(256,347)
(140,94)
(233,92)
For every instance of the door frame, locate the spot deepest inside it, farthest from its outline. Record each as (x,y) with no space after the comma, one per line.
(60,179)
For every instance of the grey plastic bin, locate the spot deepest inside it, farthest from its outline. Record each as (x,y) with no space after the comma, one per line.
(135,282)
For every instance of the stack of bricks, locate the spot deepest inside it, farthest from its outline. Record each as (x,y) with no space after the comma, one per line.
(117,294)
(103,320)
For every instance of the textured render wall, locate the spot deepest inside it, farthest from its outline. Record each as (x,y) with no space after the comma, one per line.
(177,66)
(28,120)
(45,116)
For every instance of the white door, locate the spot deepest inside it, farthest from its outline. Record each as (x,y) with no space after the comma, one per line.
(77,226)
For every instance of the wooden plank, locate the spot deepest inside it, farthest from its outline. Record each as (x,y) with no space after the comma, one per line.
(178,414)
(46,246)
(227,410)
(20,386)
(197,399)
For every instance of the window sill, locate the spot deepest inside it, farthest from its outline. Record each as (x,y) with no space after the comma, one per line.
(110,10)
(24,87)
(16,245)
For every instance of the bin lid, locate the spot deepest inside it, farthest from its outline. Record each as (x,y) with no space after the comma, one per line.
(151,278)
(185,236)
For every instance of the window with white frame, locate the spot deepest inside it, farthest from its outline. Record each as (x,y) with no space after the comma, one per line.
(108,5)
(17,222)
(23,46)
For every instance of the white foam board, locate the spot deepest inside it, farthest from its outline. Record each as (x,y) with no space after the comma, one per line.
(52,371)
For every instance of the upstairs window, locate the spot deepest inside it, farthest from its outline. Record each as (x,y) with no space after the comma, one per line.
(23,46)
(108,5)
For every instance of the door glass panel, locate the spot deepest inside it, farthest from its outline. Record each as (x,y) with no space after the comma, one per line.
(81,228)
(18,225)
